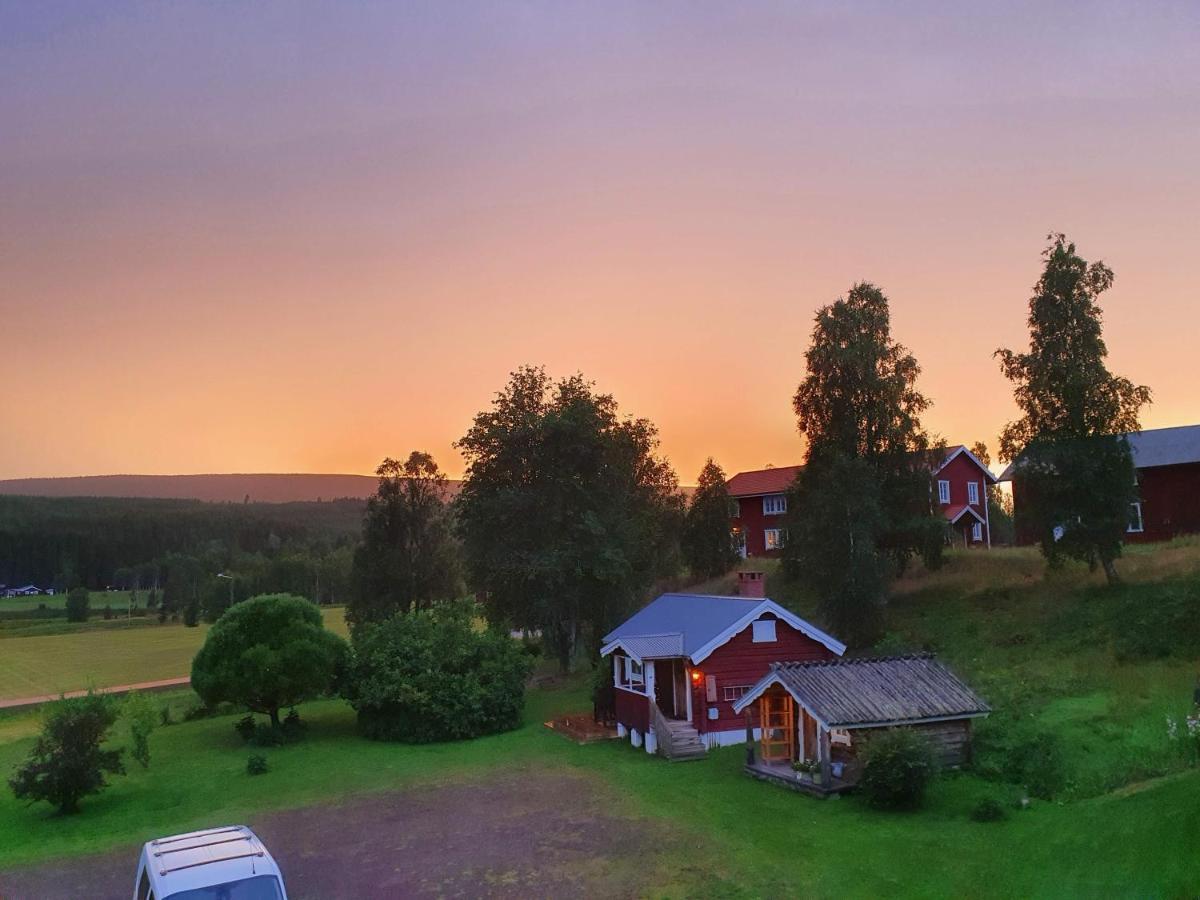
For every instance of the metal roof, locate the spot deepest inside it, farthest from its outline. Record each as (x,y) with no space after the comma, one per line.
(693,625)
(762,481)
(1174,446)
(860,693)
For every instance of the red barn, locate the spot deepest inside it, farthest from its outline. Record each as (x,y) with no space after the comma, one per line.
(681,663)
(961,483)
(1167,464)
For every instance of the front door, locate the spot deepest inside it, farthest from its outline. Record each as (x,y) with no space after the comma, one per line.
(776,715)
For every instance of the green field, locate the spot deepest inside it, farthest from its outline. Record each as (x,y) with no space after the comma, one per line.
(118,600)
(1054,653)
(101,657)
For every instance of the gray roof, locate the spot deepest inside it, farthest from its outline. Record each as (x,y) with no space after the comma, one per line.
(694,618)
(1152,447)
(895,690)
(653,646)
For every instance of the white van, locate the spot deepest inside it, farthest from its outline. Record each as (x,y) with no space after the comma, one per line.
(216,864)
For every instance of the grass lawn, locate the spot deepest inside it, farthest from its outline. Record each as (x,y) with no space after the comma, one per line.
(101,657)
(118,600)
(745,838)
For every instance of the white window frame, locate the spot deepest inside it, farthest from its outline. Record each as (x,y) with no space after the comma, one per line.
(774,504)
(778,532)
(943,491)
(973,492)
(636,671)
(977,531)
(731,693)
(760,629)
(1136,507)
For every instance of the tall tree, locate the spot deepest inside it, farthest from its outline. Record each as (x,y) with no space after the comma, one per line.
(1074,462)
(567,514)
(408,558)
(859,411)
(708,547)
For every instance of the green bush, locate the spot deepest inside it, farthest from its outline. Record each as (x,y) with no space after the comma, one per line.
(433,676)
(1007,751)
(140,714)
(245,727)
(1157,621)
(257,765)
(266,653)
(898,765)
(67,762)
(989,809)
(79,605)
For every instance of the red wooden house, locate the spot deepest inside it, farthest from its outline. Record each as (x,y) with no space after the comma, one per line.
(1167,465)
(681,663)
(960,492)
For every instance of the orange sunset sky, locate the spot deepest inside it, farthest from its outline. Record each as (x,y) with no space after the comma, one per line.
(299,237)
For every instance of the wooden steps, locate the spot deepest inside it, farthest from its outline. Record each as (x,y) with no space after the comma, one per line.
(678,741)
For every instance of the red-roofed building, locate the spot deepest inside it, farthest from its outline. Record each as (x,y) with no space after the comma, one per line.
(960,484)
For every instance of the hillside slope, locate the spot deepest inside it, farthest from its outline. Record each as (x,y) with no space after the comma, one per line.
(234,488)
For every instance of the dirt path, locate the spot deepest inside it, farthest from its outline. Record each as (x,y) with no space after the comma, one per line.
(160,685)
(515,834)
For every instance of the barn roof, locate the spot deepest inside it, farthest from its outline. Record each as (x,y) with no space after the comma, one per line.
(762,481)
(694,625)
(1153,447)
(863,693)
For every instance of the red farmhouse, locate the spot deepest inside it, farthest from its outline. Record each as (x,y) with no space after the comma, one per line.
(961,483)
(1167,461)
(680,664)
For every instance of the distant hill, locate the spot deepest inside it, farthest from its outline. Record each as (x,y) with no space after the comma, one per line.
(261,488)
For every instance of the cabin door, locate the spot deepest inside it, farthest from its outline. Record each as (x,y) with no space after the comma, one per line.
(778,723)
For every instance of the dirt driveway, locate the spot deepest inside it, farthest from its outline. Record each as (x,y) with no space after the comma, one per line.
(513,834)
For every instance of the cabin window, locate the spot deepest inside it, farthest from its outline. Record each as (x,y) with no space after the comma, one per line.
(977,531)
(839,736)
(735,692)
(943,492)
(972,492)
(775,505)
(764,631)
(773,538)
(637,676)
(1136,525)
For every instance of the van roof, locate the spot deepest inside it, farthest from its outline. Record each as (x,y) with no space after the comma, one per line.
(197,859)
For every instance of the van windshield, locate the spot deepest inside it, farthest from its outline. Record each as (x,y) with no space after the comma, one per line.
(260,887)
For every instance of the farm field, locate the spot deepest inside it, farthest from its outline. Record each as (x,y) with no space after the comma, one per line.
(118,600)
(100,657)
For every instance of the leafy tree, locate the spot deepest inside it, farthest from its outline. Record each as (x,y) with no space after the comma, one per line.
(142,718)
(708,547)
(407,559)
(431,675)
(1000,515)
(67,762)
(79,604)
(862,499)
(566,514)
(266,653)
(1074,462)
(898,765)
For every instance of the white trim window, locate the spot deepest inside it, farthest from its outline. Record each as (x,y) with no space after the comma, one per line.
(637,672)
(977,531)
(731,693)
(973,492)
(764,631)
(943,492)
(1136,524)
(773,538)
(774,504)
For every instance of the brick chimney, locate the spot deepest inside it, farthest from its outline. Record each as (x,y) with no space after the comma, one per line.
(752,584)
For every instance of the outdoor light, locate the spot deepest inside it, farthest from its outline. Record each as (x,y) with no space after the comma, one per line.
(696,676)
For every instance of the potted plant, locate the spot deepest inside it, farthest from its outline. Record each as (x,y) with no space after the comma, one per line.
(817,775)
(800,767)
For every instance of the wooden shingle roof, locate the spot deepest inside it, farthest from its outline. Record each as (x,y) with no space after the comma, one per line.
(861,693)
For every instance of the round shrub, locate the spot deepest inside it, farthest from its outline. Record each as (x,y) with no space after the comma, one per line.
(257,765)
(897,768)
(266,653)
(434,676)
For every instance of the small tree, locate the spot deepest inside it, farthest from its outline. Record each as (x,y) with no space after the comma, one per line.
(67,762)
(142,718)
(898,765)
(433,676)
(79,602)
(266,653)
(708,546)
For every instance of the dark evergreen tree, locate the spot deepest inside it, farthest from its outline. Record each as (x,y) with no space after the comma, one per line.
(707,543)
(408,558)
(1073,460)
(79,602)
(566,514)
